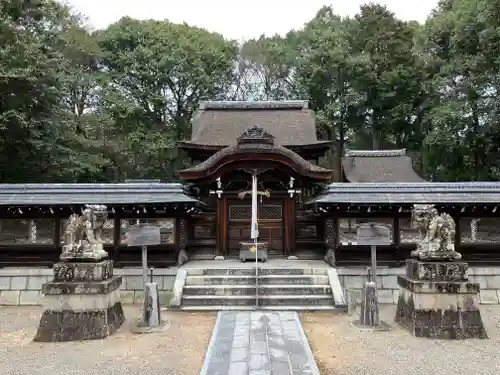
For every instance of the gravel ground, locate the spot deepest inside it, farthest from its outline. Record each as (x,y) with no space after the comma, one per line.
(178,349)
(341,348)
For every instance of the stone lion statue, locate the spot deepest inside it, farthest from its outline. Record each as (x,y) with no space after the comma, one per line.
(437,234)
(82,238)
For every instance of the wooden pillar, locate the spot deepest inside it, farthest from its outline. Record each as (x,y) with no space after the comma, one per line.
(222,227)
(336,230)
(177,229)
(290,225)
(396,232)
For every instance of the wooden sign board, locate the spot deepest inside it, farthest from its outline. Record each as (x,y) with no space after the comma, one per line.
(373,234)
(143,235)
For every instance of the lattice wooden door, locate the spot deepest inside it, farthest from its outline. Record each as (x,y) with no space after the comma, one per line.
(270,226)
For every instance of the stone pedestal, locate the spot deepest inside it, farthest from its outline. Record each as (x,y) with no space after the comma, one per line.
(81,303)
(249,250)
(436,300)
(369,314)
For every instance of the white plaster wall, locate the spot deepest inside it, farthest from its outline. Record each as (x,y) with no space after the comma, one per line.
(22,286)
(353,278)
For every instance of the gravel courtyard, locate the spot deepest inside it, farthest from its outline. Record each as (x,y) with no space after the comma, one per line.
(341,348)
(178,350)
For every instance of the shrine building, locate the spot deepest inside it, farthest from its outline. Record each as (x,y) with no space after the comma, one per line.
(302,212)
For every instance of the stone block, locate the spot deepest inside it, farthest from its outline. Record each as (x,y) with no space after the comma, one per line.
(390,282)
(152,305)
(165,297)
(484,271)
(238,368)
(445,287)
(436,271)
(158,280)
(395,294)
(79,325)
(18,283)
(5,283)
(492,282)
(479,279)
(385,296)
(488,297)
(369,314)
(9,297)
(134,283)
(168,282)
(36,282)
(178,288)
(83,271)
(94,313)
(138,297)
(82,287)
(354,282)
(29,297)
(439,313)
(127,297)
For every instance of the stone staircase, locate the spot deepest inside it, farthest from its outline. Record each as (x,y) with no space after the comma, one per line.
(278,289)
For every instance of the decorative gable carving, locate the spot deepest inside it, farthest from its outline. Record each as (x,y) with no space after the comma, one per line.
(256,134)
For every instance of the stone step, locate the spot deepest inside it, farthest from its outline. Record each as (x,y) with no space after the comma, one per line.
(264,290)
(263,280)
(249,300)
(253,308)
(251,271)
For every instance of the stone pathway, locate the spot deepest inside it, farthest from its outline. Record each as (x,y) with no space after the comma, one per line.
(258,343)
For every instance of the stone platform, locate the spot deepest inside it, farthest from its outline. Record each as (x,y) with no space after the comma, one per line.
(82,303)
(436,300)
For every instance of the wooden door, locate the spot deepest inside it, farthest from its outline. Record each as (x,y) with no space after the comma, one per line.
(270,225)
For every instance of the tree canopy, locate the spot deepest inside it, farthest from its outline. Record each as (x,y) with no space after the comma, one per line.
(81,106)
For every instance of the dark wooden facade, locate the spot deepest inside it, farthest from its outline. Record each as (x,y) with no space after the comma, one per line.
(475,207)
(33,216)
(277,141)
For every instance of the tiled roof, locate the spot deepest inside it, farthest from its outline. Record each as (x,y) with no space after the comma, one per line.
(122,193)
(410,193)
(220,123)
(379,166)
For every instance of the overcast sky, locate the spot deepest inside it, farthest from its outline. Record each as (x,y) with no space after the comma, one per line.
(235,19)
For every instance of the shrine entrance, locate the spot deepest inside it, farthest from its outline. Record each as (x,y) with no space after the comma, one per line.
(271,225)
(225,178)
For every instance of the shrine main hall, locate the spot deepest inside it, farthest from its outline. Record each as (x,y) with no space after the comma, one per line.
(306,208)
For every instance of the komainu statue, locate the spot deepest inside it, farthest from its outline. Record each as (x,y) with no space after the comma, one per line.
(82,239)
(437,234)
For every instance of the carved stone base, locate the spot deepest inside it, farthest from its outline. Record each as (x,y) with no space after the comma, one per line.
(436,255)
(83,271)
(437,301)
(94,253)
(81,310)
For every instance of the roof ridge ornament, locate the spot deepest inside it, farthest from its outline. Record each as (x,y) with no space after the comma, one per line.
(375,153)
(255,134)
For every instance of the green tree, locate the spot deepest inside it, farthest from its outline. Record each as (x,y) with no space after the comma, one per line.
(266,69)
(158,73)
(325,73)
(463,45)
(33,127)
